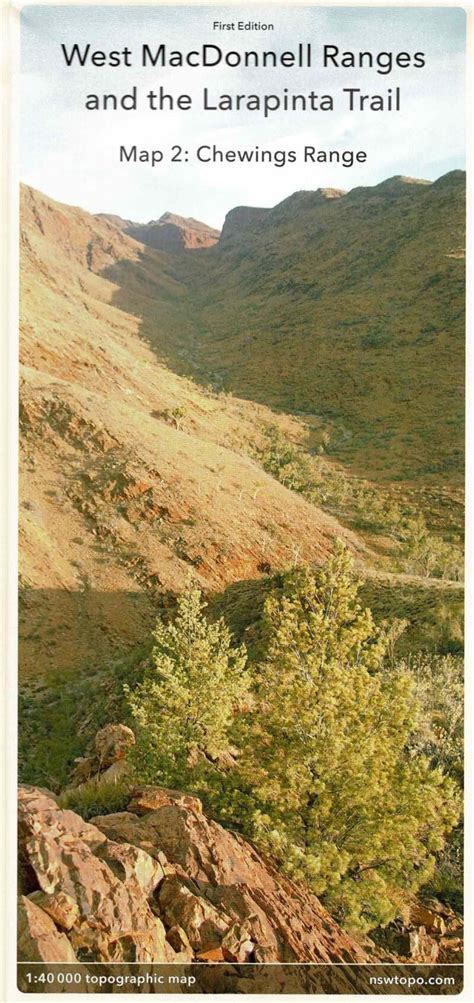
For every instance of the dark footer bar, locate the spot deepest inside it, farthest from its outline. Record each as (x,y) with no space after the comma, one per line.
(227,978)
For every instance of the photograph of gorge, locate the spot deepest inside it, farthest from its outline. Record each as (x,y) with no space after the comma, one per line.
(241,551)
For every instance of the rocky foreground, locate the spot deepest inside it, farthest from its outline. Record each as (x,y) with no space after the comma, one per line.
(161,883)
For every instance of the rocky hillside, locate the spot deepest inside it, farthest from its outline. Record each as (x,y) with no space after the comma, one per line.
(132,477)
(141,470)
(160,882)
(170,232)
(168,884)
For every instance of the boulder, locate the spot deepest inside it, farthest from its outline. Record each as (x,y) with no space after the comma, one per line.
(205,926)
(237,944)
(94,888)
(146,799)
(179,941)
(38,937)
(112,743)
(419,946)
(61,907)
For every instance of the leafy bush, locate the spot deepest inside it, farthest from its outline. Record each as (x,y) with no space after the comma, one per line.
(428,555)
(288,464)
(326,770)
(346,807)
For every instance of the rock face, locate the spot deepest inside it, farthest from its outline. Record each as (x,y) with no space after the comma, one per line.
(170,232)
(174,233)
(241,221)
(107,763)
(164,885)
(426,932)
(85,896)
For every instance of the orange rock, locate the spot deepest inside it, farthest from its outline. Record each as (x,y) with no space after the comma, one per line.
(145,799)
(214,954)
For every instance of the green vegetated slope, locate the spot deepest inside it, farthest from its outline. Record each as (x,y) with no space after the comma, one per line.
(133,478)
(347,306)
(433,611)
(338,320)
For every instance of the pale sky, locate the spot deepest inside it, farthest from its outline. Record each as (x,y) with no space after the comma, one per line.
(73,155)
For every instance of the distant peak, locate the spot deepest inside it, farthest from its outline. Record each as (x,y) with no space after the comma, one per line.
(175,233)
(176,220)
(400,181)
(451,178)
(182,222)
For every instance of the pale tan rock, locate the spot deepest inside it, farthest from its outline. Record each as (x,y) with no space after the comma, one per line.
(38,937)
(421,915)
(118,774)
(113,742)
(121,825)
(133,866)
(421,947)
(237,943)
(61,907)
(179,941)
(203,924)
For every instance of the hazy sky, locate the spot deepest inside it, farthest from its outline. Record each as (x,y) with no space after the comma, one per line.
(72,154)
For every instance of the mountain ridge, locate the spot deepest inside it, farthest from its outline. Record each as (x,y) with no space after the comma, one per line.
(170,232)
(368,289)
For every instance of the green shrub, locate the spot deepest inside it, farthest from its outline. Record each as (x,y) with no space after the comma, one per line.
(428,555)
(185,705)
(361,505)
(326,771)
(346,806)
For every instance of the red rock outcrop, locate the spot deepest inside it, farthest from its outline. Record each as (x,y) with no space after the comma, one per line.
(164,885)
(173,233)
